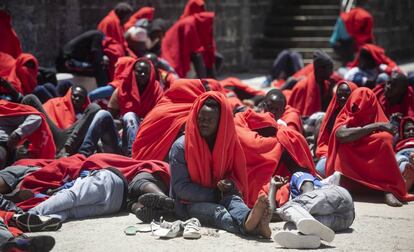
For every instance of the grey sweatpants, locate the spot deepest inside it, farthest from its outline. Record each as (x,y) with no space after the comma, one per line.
(98,194)
(332,206)
(12,175)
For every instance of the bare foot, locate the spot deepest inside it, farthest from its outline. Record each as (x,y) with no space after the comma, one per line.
(391,200)
(263,227)
(256,214)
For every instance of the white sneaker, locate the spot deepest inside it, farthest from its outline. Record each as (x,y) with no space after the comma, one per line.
(192,229)
(166,229)
(314,227)
(295,240)
(334,179)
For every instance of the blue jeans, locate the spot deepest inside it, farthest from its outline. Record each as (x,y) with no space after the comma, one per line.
(131,124)
(403,157)
(101,92)
(320,166)
(102,128)
(230,214)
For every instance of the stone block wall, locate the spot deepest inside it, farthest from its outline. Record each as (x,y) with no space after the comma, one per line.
(45,25)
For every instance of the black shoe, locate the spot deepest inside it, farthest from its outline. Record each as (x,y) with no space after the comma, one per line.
(154,200)
(41,243)
(34,223)
(147,215)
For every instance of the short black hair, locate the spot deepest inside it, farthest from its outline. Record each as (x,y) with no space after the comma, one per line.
(276,92)
(81,87)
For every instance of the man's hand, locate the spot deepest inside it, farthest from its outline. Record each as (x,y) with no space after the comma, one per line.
(14,139)
(225,185)
(279,181)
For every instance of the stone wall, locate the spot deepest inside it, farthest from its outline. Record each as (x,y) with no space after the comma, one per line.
(44,25)
(394,27)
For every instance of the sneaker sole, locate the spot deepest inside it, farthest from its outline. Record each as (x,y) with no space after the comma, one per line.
(42,243)
(147,215)
(314,227)
(32,223)
(156,201)
(292,240)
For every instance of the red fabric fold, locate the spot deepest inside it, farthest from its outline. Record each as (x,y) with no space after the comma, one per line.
(192,7)
(369,160)
(227,160)
(378,54)
(262,153)
(406,107)
(129,98)
(9,42)
(60,110)
(162,124)
(359,25)
(41,140)
(144,12)
(306,96)
(292,118)
(22,78)
(193,34)
(111,26)
(324,134)
(114,50)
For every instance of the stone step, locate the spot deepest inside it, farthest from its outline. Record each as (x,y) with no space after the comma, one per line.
(294,42)
(298,31)
(308,2)
(311,10)
(271,53)
(301,20)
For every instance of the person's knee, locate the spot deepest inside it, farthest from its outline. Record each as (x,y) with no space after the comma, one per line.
(130,119)
(104,116)
(30,99)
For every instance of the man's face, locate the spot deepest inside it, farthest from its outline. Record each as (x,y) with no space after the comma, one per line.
(342,94)
(323,73)
(394,89)
(408,129)
(142,72)
(208,120)
(275,106)
(79,97)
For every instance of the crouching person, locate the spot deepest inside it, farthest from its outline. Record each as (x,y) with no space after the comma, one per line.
(208,169)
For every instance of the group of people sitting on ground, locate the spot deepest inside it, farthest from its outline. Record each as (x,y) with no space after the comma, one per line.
(152,142)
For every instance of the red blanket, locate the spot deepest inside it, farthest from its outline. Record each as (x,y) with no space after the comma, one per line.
(227,160)
(378,54)
(162,124)
(60,110)
(193,34)
(129,98)
(262,153)
(369,160)
(41,140)
(144,12)
(359,25)
(324,133)
(17,72)
(192,7)
(114,51)
(292,118)
(111,26)
(406,107)
(306,96)
(9,42)
(56,173)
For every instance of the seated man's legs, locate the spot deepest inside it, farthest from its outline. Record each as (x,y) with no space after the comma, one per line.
(102,128)
(131,124)
(214,215)
(78,130)
(101,92)
(98,194)
(12,175)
